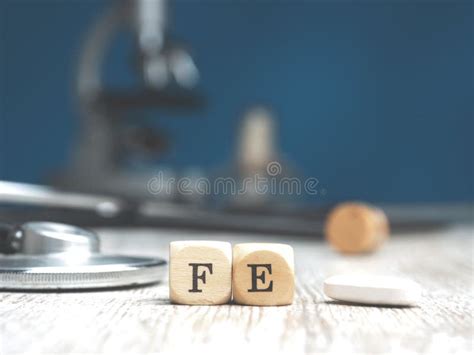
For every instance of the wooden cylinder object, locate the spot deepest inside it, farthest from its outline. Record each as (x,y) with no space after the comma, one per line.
(353,227)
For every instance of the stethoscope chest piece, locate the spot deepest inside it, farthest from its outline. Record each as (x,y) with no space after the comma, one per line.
(55,256)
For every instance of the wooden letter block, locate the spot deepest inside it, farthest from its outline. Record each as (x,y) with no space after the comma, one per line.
(200,272)
(263,274)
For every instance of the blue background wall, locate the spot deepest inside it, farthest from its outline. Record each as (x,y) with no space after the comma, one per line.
(375,99)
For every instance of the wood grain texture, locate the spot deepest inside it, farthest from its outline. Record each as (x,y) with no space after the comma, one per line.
(263,274)
(142,320)
(200,272)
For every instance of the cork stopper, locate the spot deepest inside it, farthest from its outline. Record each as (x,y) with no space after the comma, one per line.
(356,228)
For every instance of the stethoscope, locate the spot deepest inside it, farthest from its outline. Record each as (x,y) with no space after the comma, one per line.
(56,256)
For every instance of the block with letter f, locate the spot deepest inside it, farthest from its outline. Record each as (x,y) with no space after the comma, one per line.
(200,272)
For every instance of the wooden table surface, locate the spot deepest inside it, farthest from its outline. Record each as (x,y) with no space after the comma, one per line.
(142,320)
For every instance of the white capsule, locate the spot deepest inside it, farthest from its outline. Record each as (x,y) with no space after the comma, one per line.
(371,289)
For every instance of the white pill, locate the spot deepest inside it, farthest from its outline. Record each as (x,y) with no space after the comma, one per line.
(370,289)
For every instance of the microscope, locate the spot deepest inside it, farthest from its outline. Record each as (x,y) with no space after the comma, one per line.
(112,130)
(101,186)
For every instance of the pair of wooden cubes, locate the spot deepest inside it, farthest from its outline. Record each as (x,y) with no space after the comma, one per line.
(210,272)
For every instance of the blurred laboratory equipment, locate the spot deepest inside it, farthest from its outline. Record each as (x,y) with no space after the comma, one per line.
(20,203)
(55,256)
(257,141)
(256,149)
(100,187)
(113,130)
(115,138)
(258,166)
(43,196)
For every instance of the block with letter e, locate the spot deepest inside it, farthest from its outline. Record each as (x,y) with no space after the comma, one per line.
(263,274)
(200,272)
